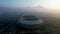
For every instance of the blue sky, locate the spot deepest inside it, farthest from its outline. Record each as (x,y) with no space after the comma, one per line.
(21,3)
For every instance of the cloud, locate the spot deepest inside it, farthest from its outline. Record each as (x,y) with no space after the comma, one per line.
(38,7)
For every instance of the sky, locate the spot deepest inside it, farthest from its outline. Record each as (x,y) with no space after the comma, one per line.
(52,4)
